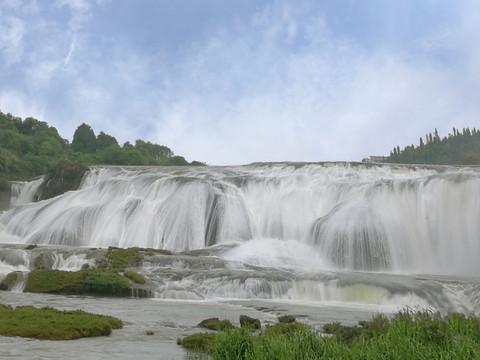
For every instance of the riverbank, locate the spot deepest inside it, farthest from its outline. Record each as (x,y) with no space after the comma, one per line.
(409,334)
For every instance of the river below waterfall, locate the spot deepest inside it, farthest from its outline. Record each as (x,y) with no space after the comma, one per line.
(167,319)
(325,242)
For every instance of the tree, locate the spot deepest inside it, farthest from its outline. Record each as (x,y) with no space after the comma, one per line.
(104,141)
(84,139)
(154,151)
(177,161)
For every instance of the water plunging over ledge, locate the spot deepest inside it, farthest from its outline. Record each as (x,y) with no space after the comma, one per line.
(328,216)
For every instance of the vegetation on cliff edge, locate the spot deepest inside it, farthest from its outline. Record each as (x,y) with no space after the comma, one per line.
(30,148)
(459,148)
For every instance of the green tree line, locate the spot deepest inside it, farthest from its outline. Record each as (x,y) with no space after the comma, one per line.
(459,148)
(29,148)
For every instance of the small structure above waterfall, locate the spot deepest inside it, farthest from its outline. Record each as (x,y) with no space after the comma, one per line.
(374,159)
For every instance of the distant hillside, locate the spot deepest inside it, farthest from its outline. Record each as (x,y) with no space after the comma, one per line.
(459,148)
(30,148)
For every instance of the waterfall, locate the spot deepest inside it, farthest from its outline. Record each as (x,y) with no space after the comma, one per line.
(23,192)
(400,219)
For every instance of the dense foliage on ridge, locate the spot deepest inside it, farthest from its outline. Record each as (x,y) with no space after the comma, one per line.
(30,148)
(459,148)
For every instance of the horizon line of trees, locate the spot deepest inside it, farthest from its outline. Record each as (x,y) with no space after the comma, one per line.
(30,148)
(459,148)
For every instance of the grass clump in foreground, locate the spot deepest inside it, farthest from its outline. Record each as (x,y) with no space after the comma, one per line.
(408,335)
(51,324)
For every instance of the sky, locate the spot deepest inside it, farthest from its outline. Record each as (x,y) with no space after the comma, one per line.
(240,81)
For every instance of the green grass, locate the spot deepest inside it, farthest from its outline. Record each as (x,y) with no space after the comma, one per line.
(51,324)
(408,335)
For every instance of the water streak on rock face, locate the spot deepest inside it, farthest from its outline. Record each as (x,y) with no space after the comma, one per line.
(343,216)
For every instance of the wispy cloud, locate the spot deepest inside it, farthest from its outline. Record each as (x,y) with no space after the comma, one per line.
(283,83)
(12,30)
(80,12)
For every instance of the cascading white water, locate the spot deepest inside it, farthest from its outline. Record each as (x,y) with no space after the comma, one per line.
(23,192)
(344,216)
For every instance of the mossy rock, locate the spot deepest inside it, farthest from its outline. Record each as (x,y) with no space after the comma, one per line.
(216,324)
(8,281)
(135,277)
(51,324)
(249,322)
(65,176)
(120,259)
(151,251)
(286,319)
(198,342)
(283,328)
(89,281)
(343,333)
(44,261)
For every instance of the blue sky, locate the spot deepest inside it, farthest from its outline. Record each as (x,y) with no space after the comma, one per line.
(233,82)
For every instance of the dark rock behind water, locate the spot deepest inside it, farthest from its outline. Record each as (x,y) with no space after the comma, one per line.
(66,176)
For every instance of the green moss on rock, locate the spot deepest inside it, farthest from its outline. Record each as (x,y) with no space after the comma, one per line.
(216,324)
(119,259)
(44,261)
(283,328)
(286,319)
(87,281)
(8,281)
(51,324)
(199,342)
(132,275)
(151,251)
(249,322)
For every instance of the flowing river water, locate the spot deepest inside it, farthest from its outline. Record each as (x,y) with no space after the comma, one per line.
(325,242)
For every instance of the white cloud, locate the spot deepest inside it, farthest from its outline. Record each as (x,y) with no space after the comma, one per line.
(12,30)
(80,12)
(18,104)
(249,99)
